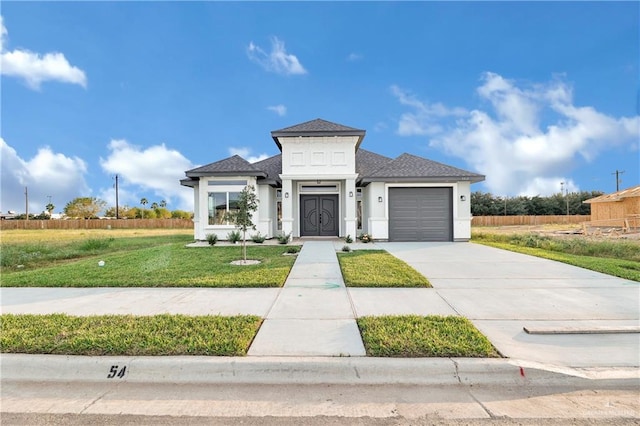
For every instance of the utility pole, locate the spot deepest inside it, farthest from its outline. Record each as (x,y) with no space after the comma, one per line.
(564,191)
(618,180)
(26,202)
(117,209)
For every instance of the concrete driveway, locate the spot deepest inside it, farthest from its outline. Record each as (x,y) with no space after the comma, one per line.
(501,292)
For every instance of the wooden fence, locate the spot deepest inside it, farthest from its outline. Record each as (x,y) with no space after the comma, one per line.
(97,224)
(528,220)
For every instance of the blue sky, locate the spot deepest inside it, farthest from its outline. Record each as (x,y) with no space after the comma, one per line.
(529,94)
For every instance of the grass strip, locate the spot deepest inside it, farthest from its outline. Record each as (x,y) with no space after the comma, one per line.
(164,265)
(377,268)
(621,268)
(127,335)
(412,336)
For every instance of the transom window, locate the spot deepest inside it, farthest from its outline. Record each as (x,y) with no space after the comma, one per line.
(221,203)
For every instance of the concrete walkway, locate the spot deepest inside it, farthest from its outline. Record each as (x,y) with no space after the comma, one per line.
(313,314)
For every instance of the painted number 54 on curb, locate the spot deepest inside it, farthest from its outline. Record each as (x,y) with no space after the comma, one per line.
(115,372)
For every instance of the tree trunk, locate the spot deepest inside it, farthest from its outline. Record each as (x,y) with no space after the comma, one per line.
(244,246)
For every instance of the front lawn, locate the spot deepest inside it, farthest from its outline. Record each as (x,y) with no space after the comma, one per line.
(377,268)
(127,335)
(413,336)
(159,265)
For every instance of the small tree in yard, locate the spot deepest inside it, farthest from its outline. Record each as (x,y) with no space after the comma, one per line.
(241,218)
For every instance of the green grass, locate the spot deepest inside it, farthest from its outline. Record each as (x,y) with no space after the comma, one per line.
(53,248)
(127,335)
(617,258)
(161,265)
(413,336)
(377,268)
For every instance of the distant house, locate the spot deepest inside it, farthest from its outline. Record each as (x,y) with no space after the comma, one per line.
(324,184)
(620,209)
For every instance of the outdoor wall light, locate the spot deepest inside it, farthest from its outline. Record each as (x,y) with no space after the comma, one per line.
(350,193)
(379,199)
(286,195)
(463,198)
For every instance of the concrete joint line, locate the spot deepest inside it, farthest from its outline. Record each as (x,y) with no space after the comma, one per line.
(449,304)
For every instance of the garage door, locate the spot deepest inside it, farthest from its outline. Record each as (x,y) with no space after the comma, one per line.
(420,214)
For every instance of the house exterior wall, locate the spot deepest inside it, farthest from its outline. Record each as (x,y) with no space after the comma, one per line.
(615,209)
(377,213)
(318,155)
(201,206)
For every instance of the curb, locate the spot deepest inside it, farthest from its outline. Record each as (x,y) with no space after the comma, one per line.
(295,370)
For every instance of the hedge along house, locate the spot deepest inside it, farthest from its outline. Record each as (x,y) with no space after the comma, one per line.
(324,185)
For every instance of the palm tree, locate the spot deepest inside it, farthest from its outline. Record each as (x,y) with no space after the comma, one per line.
(163,204)
(144,202)
(154,206)
(50,208)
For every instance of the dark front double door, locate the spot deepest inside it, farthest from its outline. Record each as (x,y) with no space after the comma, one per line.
(319,215)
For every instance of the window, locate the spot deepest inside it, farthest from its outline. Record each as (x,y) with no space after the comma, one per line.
(359,207)
(279,209)
(219,204)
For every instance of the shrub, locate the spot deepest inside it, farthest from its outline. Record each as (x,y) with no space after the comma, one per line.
(212,239)
(234,236)
(348,239)
(293,249)
(365,238)
(346,249)
(259,239)
(284,238)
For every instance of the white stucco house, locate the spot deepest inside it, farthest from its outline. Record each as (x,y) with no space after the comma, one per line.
(324,184)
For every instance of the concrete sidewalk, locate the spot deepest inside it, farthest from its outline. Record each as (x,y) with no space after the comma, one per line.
(313,314)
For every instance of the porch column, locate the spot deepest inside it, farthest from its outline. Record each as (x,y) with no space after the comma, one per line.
(287,206)
(350,215)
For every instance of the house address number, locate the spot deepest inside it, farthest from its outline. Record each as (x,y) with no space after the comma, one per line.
(116,371)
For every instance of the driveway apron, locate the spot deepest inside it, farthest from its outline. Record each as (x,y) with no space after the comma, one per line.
(313,314)
(502,292)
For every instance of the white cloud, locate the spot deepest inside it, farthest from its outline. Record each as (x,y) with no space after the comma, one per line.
(156,168)
(353,57)
(35,68)
(527,138)
(423,119)
(281,110)
(246,154)
(46,174)
(278,60)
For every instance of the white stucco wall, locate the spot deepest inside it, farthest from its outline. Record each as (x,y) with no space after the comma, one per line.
(201,204)
(318,156)
(377,213)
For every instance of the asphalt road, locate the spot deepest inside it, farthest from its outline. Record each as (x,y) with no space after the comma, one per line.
(126,420)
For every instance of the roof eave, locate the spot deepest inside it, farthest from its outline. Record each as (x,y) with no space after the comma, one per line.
(191,183)
(360,133)
(425,179)
(227,173)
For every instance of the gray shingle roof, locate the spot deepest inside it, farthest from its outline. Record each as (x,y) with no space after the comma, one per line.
(235,165)
(411,167)
(368,162)
(317,125)
(272,166)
